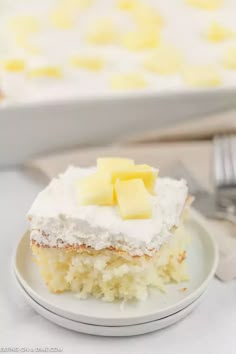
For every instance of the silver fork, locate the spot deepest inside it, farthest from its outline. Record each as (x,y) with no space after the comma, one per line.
(225,172)
(204,201)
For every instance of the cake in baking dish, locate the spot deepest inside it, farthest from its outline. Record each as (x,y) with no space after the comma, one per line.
(110,231)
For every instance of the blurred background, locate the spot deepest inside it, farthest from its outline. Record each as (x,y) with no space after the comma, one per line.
(154,80)
(95,72)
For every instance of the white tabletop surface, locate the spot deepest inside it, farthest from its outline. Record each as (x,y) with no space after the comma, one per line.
(210,329)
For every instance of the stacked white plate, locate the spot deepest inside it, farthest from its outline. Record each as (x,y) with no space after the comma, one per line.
(94,316)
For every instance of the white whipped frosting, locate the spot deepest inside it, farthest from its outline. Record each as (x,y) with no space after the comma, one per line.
(57,220)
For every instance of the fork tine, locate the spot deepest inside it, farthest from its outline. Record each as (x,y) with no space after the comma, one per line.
(225,170)
(218,162)
(225,160)
(233,155)
(228,160)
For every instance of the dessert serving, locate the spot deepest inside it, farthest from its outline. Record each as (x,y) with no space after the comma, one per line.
(112,231)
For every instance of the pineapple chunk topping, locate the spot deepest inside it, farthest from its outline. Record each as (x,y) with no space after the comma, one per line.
(102,32)
(143,172)
(24,42)
(46,71)
(165,61)
(118,181)
(87,62)
(127,5)
(63,18)
(141,39)
(76,4)
(24,24)
(145,15)
(14,65)
(95,189)
(218,33)
(206,4)
(201,75)
(110,164)
(133,199)
(229,58)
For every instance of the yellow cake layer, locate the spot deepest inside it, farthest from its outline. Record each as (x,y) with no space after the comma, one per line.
(109,274)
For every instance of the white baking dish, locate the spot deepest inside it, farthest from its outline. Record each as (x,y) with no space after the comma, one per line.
(82,109)
(31,129)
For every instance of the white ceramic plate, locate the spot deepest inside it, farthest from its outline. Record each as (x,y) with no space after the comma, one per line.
(117,331)
(202,261)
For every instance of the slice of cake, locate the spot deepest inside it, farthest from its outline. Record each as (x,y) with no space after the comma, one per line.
(110,231)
